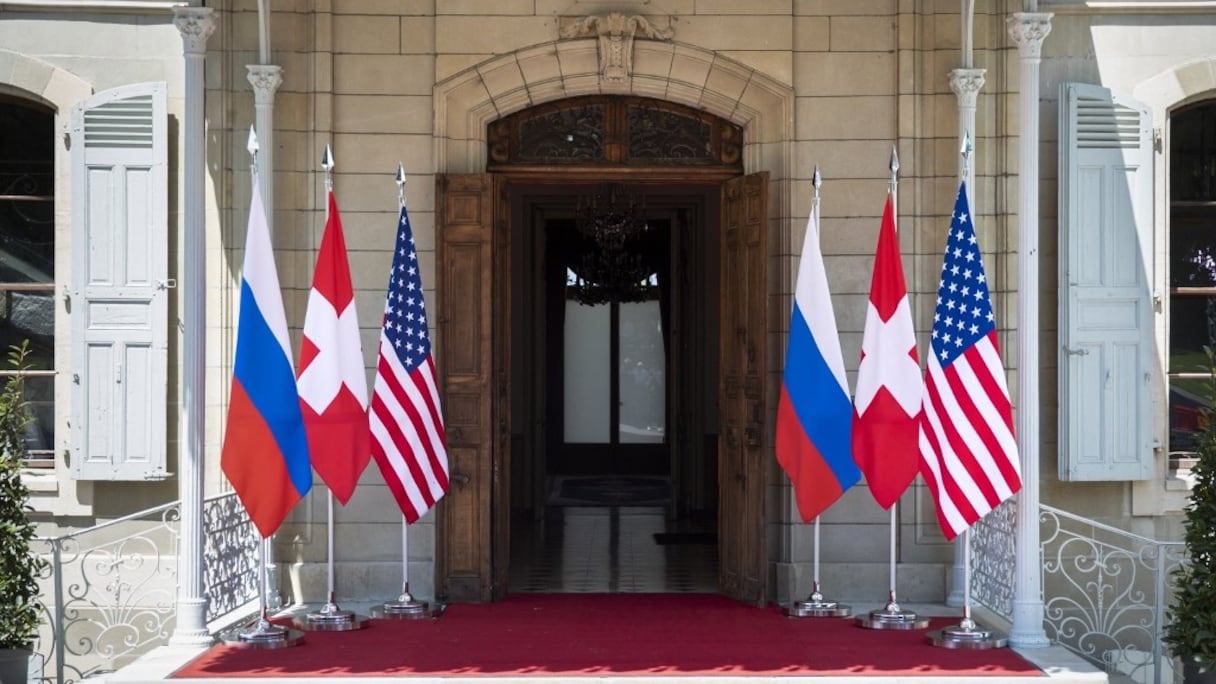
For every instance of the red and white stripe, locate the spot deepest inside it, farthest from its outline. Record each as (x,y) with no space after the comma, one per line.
(407,432)
(969,453)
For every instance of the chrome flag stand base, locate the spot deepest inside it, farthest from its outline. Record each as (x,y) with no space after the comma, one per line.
(892,617)
(967,635)
(406,607)
(330,618)
(816,606)
(262,635)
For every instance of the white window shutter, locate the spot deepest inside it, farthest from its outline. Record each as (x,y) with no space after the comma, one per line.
(1106,306)
(119,302)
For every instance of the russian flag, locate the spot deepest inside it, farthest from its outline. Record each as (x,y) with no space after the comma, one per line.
(265,452)
(815,414)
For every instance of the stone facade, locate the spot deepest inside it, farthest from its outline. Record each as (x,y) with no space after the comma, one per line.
(833,83)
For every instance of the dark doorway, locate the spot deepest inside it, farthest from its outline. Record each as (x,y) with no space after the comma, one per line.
(613,435)
(498,352)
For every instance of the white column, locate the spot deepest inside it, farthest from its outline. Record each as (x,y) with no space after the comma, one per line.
(1028,29)
(195,25)
(966,84)
(265,79)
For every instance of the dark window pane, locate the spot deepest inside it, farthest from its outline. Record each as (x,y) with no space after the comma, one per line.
(27,189)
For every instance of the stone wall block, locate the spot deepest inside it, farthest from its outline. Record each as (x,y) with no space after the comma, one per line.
(491,34)
(851,33)
(689,67)
(737,33)
(652,58)
(578,58)
(539,64)
(855,118)
(501,76)
(847,73)
(776,64)
(365,34)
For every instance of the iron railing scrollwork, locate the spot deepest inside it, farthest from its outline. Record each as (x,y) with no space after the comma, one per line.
(1105,592)
(110,591)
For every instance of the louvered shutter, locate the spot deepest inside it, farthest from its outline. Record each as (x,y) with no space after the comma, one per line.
(1106,314)
(119,275)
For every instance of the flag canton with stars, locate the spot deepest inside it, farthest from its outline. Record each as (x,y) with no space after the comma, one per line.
(964,312)
(405,308)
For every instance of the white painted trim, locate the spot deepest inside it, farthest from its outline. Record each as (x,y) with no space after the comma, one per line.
(1128,6)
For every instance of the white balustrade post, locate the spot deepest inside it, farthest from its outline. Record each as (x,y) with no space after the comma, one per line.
(1028,30)
(966,84)
(195,25)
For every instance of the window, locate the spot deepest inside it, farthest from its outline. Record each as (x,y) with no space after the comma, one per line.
(27,260)
(1192,274)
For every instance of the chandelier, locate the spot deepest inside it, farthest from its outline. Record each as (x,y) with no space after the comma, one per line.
(612,266)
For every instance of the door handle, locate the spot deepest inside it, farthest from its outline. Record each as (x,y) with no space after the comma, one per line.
(1076,352)
(460,479)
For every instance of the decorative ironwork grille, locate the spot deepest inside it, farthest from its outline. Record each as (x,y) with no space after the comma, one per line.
(614,131)
(110,591)
(1105,592)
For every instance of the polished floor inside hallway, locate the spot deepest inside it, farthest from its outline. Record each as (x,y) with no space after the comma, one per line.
(581,547)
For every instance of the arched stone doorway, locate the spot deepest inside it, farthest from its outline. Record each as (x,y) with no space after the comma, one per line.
(475,213)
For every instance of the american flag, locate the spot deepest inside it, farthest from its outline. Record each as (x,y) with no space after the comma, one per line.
(969,456)
(406,420)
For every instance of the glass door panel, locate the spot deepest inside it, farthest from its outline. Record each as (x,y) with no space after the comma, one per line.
(642,374)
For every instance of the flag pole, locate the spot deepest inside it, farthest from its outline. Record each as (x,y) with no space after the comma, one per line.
(330,617)
(966,634)
(261,633)
(405,607)
(815,605)
(892,616)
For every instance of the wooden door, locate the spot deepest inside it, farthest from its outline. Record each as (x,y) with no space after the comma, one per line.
(744,337)
(472,356)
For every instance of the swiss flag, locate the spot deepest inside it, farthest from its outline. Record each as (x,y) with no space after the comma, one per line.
(887,403)
(333,380)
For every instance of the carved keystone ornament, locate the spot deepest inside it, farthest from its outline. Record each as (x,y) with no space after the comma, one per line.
(616,32)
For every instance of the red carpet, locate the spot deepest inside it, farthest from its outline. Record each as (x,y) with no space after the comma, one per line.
(616,634)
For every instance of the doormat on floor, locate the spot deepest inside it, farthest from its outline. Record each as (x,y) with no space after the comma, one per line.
(599,635)
(670,538)
(613,490)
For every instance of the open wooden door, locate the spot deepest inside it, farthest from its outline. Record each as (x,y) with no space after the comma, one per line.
(473,362)
(742,556)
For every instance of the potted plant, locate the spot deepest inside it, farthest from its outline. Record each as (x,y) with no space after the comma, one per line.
(1190,631)
(20,607)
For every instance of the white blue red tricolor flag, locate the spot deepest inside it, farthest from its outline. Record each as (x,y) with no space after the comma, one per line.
(887,405)
(265,451)
(332,380)
(406,420)
(814,414)
(969,456)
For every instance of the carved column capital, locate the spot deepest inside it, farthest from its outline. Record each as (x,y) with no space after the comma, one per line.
(265,79)
(1028,30)
(196,25)
(966,84)
(616,33)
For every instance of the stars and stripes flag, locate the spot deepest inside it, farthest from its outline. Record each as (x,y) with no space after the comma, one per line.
(969,456)
(814,413)
(887,403)
(332,380)
(406,419)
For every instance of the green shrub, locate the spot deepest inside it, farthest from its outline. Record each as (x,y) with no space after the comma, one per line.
(1190,631)
(20,607)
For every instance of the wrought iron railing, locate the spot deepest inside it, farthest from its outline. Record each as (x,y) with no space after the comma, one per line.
(1105,592)
(992,560)
(1104,589)
(110,591)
